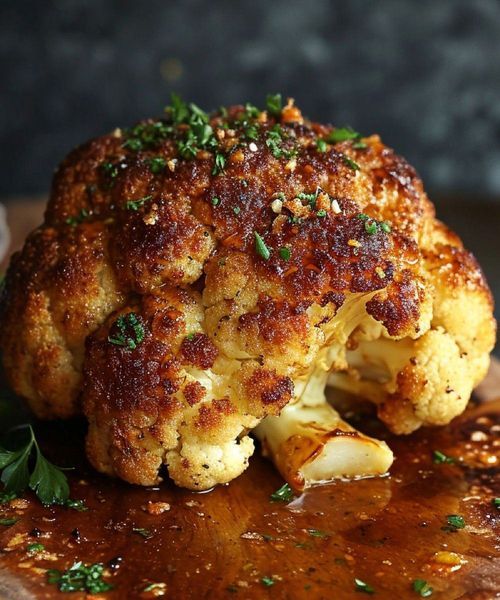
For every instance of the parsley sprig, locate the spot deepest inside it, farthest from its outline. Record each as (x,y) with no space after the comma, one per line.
(80,578)
(130,332)
(47,481)
(422,588)
(283,494)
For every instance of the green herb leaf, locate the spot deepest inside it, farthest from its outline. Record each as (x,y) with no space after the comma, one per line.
(8,522)
(350,163)
(496,503)
(341,134)
(321,145)
(35,548)
(440,458)
(454,522)
(80,578)
(219,164)
(318,533)
(421,587)
(153,586)
(236,210)
(78,505)
(47,481)
(361,586)
(79,218)
(321,213)
(215,201)
(285,253)
(285,492)
(136,204)
(130,331)
(261,248)
(156,164)
(145,533)
(267,581)
(6,497)
(274,104)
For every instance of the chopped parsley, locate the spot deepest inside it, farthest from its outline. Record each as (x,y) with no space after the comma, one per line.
(136,204)
(274,104)
(79,218)
(146,135)
(261,248)
(285,253)
(309,198)
(47,481)
(8,522)
(342,134)
(321,145)
(35,548)
(145,533)
(454,523)
(350,163)
(156,164)
(274,141)
(153,586)
(219,163)
(373,226)
(421,587)
(80,578)
(130,332)
(321,213)
(496,503)
(318,533)
(215,201)
(190,337)
(236,210)
(441,458)
(78,505)
(361,586)
(267,581)
(285,492)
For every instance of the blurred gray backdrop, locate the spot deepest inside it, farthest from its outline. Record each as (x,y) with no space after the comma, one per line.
(425,74)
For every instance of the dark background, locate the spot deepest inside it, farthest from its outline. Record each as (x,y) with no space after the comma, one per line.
(425,74)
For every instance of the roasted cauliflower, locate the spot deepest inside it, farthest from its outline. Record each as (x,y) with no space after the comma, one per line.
(199,276)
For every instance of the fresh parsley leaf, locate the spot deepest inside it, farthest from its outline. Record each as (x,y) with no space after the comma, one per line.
(318,533)
(46,480)
(441,458)
(421,587)
(274,104)
(321,213)
(35,548)
(351,163)
(80,578)
(145,533)
(285,253)
(285,492)
(267,581)
(219,163)
(215,201)
(8,522)
(361,586)
(454,522)
(341,134)
(79,218)
(496,503)
(156,164)
(136,204)
(261,248)
(321,145)
(373,226)
(6,497)
(78,505)
(130,331)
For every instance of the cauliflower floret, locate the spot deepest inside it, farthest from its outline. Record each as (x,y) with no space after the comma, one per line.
(187,285)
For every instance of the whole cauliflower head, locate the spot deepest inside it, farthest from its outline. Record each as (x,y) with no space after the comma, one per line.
(198,275)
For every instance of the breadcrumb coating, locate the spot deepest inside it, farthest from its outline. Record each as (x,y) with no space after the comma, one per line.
(193,272)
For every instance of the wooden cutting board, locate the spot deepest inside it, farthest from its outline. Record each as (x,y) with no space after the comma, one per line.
(233,542)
